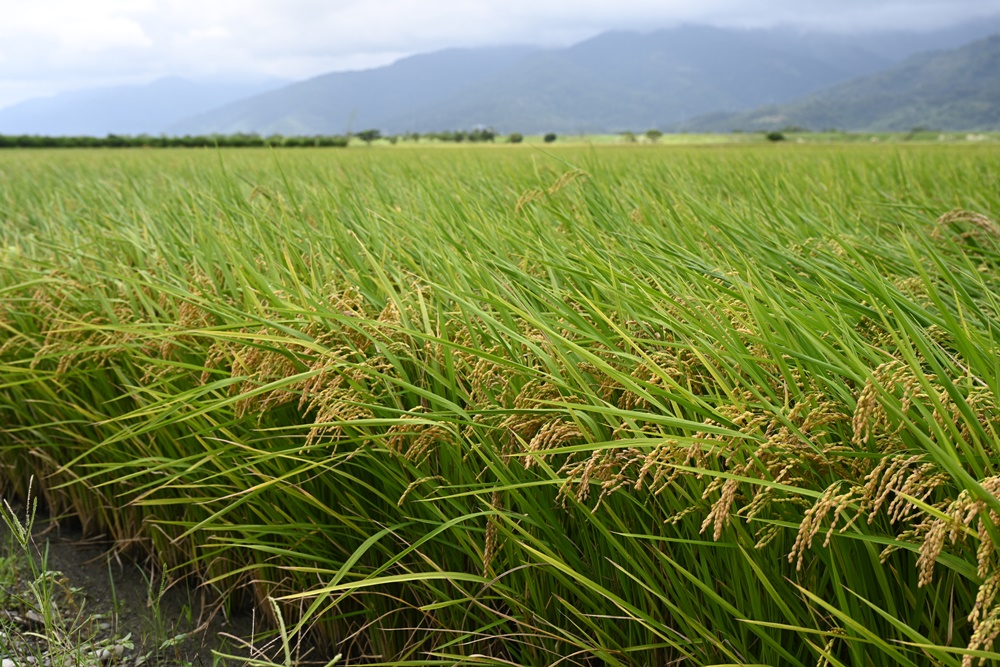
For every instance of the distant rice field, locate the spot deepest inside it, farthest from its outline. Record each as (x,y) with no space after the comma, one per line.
(527,406)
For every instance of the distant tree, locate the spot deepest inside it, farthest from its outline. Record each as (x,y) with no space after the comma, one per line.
(486,134)
(919,132)
(332,141)
(550,137)
(392,139)
(653,135)
(515,138)
(775,136)
(628,137)
(368,136)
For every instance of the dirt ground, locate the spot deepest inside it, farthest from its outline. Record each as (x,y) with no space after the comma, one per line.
(123,607)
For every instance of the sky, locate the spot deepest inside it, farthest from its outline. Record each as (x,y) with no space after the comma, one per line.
(49,46)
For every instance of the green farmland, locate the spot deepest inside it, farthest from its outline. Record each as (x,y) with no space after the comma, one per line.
(526,405)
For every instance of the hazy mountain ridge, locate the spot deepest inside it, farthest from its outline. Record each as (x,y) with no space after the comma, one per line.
(133,109)
(946,90)
(614,81)
(617,80)
(625,80)
(339,102)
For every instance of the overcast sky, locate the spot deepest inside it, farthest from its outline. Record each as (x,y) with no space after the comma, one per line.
(48,46)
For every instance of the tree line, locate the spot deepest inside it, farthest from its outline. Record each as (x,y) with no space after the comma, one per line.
(146,141)
(246,140)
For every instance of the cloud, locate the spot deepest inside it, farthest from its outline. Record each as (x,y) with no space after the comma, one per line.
(54,43)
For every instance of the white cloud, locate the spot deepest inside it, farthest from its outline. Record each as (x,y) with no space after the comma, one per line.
(93,35)
(78,26)
(210,34)
(59,44)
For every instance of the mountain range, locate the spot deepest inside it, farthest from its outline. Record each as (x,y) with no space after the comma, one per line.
(343,101)
(133,109)
(612,82)
(947,90)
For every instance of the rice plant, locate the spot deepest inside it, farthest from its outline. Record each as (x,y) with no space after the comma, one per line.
(492,406)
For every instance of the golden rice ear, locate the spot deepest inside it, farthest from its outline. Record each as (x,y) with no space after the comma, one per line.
(966,225)
(985,619)
(526,198)
(718,517)
(552,434)
(334,407)
(565,179)
(415,440)
(613,468)
(491,543)
(899,477)
(812,521)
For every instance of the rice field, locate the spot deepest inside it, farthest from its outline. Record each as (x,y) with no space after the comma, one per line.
(524,406)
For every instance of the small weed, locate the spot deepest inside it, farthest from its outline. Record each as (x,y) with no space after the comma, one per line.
(46,622)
